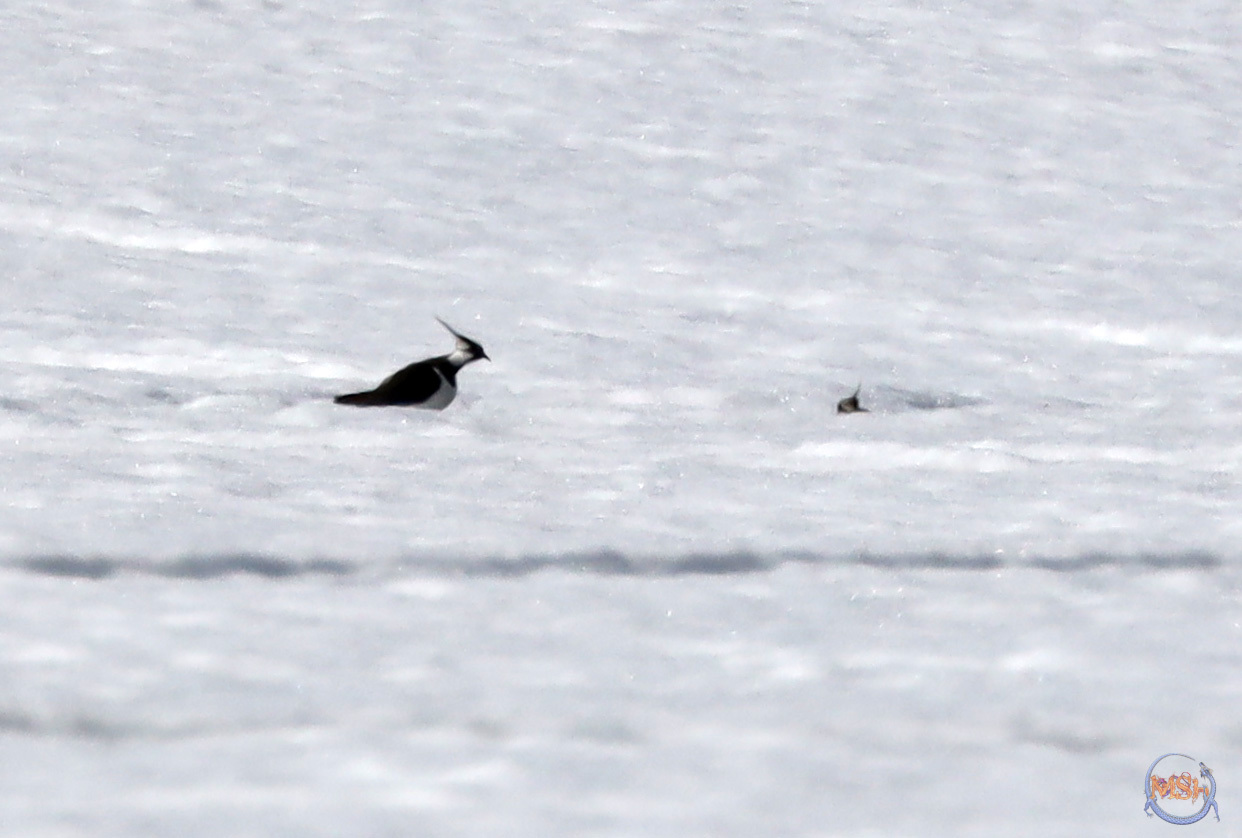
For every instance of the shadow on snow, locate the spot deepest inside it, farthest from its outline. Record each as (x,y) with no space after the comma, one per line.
(598,563)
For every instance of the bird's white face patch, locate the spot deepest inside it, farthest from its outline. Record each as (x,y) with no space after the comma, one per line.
(459,357)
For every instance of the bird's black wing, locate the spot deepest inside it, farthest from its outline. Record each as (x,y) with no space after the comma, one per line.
(410,385)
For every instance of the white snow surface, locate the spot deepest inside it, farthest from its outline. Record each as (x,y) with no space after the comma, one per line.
(640,578)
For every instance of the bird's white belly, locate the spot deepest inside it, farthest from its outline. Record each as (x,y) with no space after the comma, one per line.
(442,397)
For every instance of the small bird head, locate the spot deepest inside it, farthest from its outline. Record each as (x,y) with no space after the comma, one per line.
(850,403)
(467,350)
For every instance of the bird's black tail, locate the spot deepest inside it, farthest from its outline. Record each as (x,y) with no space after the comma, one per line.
(366,399)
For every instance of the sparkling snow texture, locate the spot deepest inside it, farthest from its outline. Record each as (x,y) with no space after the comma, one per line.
(640,578)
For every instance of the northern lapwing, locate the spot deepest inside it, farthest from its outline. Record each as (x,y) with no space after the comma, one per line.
(850,403)
(430,384)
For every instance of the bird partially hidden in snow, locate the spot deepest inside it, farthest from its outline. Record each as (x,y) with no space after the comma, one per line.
(430,384)
(850,403)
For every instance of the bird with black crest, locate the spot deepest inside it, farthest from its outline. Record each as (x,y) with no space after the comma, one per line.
(430,384)
(850,403)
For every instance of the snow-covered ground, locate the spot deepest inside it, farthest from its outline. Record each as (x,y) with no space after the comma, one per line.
(640,578)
